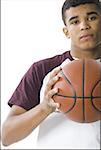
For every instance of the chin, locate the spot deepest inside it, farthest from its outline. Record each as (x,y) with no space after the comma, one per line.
(88,46)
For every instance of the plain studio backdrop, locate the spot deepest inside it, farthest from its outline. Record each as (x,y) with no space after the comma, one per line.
(30,30)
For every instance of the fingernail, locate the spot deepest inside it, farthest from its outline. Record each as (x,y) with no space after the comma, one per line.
(56,90)
(58,105)
(57,78)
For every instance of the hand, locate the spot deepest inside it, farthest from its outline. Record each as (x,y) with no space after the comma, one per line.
(48,93)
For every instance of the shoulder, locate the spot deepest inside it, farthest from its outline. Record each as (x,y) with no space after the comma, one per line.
(40,68)
(52,61)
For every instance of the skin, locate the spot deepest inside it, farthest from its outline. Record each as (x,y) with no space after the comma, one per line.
(24,122)
(86,23)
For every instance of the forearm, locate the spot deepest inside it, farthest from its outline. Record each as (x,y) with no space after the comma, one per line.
(19,126)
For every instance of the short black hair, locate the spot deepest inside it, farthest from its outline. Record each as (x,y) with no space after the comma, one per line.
(73,3)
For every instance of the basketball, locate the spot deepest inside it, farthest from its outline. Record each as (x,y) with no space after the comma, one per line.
(79,93)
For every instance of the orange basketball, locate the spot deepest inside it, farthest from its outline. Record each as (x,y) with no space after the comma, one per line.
(79,92)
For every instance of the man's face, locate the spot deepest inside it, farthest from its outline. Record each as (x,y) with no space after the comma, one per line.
(83,25)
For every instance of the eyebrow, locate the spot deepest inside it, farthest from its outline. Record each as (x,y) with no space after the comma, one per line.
(89,13)
(93,12)
(74,17)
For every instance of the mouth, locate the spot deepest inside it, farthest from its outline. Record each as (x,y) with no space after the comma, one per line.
(86,37)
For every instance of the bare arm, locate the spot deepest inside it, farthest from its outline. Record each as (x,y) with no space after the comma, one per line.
(21,123)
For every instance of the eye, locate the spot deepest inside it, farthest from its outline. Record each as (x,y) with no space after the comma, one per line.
(74,22)
(92,18)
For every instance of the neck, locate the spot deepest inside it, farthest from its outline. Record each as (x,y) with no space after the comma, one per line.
(90,54)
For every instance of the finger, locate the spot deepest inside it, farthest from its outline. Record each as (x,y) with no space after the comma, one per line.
(53,80)
(50,84)
(51,93)
(55,71)
(53,104)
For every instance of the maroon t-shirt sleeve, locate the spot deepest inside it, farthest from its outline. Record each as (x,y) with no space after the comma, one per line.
(27,94)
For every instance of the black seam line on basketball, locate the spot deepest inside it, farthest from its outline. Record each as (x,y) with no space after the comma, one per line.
(95,97)
(67,80)
(83,85)
(89,97)
(95,85)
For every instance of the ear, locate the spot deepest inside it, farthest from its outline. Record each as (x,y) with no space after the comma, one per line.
(65,31)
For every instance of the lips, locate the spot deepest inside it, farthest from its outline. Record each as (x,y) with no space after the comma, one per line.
(86,36)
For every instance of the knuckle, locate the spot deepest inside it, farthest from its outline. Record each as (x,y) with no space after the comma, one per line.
(49,94)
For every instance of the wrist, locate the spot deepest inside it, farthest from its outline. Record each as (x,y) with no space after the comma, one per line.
(46,108)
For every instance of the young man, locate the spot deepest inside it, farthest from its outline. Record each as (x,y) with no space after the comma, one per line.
(82,19)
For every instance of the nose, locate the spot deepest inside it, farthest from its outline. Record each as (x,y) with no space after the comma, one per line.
(84,25)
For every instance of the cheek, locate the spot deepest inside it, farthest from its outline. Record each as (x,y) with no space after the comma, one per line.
(97,28)
(74,34)
(98,32)
(74,38)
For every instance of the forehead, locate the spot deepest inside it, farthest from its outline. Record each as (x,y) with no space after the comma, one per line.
(81,10)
